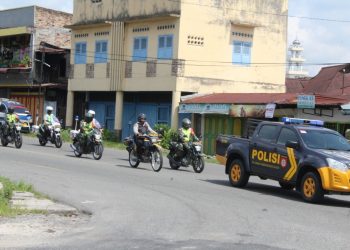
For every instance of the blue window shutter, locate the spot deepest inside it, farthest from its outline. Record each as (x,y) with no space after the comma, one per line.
(77,53)
(246,53)
(101,52)
(237,53)
(83,53)
(165,47)
(140,49)
(80,53)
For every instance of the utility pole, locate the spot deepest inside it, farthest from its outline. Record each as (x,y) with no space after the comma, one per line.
(42,61)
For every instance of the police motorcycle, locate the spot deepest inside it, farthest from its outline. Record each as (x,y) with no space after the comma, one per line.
(150,152)
(53,134)
(93,145)
(178,157)
(11,135)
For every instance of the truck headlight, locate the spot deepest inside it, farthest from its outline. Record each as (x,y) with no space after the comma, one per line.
(337,165)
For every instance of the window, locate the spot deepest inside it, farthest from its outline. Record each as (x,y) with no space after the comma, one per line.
(286,135)
(165,47)
(101,52)
(80,53)
(140,49)
(241,52)
(268,133)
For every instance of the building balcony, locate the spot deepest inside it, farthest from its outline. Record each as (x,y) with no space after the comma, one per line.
(297,59)
(17,76)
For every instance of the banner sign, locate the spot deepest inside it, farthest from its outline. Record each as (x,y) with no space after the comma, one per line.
(306,102)
(202,108)
(256,111)
(270,110)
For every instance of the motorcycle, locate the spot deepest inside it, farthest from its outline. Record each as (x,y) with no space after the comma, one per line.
(53,134)
(94,144)
(11,135)
(151,152)
(179,158)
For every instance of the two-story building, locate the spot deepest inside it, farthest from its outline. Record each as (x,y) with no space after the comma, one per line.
(34,57)
(132,56)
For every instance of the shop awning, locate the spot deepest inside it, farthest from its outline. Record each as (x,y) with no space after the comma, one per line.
(14,31)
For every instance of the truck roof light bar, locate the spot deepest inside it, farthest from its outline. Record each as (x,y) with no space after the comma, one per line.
(288,120)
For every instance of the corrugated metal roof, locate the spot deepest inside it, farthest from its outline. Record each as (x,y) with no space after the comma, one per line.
(261,98)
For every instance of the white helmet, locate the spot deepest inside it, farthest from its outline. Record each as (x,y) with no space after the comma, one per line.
(49,108)
(91,112)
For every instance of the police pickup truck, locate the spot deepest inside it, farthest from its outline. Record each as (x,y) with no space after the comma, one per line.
(297,153)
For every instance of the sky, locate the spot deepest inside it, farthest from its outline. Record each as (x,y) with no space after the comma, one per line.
(323,41)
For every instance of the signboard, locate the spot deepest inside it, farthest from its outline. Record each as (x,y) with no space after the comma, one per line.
(270,110)
(202,108)
(306,102)
(256,111)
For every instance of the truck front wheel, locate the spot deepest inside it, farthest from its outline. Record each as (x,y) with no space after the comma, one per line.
(311,188)
(237,174)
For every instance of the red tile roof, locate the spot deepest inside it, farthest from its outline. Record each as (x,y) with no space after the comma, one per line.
(296,85)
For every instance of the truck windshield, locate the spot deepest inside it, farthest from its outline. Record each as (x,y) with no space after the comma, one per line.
(324,140)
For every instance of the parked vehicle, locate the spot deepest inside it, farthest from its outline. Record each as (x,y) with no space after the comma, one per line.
(20,110)
(52,134)
(297,153)
(179,158)
(11,135)
(151,152)
(93,146)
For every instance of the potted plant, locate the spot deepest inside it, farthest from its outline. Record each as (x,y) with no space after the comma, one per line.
(25,61)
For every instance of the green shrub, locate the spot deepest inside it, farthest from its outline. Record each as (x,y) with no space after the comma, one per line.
(169,135)
(109,135)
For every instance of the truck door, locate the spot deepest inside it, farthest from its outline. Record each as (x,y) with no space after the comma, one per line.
(263,153)
(289,157)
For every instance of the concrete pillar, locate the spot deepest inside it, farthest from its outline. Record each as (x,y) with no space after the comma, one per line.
(69,109)
(175,109)
(118,119)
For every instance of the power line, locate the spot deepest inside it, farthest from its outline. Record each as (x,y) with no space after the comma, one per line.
(197,63)
(264,13)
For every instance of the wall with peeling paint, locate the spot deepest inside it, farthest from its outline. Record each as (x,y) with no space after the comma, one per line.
(85,11)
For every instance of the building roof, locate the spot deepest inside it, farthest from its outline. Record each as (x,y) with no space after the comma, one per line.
(296,85)
(331,81)
(261,98)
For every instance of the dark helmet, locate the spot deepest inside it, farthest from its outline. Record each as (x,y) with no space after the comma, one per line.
(11,110)
(88,117)
(186,123)
(141,117)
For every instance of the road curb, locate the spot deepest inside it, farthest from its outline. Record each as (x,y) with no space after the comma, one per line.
(27,201)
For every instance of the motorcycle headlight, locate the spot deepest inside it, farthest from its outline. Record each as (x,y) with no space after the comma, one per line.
(154,140)
(337,165)
(198,148)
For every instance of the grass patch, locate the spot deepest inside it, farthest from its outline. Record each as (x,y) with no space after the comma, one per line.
(6,194)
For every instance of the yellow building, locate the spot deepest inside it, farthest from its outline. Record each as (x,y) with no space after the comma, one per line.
(134,56)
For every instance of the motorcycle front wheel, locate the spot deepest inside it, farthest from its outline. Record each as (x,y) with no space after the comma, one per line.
(77,149)
(18,141)
(156,160)
(58,142)
(133,159)
(98,151)
(198,164)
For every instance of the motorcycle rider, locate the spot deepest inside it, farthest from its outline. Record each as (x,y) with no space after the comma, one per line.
(186,135)
(140,128)
(49,119)
(11,119)
(95,122)
(86,127)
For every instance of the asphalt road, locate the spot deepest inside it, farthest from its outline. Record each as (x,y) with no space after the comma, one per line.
(141,209)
